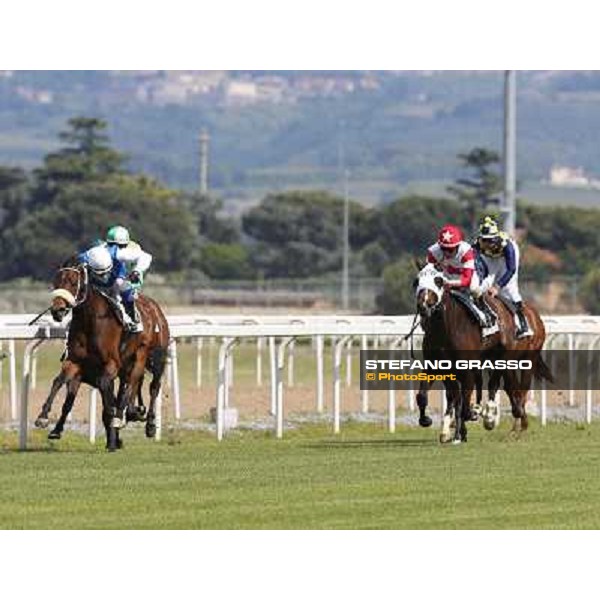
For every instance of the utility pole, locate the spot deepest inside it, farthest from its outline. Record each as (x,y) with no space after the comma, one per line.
(204,140)
(510,113)
(346,223)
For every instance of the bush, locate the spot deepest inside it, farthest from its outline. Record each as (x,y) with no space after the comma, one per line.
(398,297)
(590,291)
(225,261)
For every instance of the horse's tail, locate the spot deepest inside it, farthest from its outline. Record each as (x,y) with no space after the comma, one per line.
(541,370)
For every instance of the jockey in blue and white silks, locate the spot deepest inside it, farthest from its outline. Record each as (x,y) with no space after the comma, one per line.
(118,265)
(498,258)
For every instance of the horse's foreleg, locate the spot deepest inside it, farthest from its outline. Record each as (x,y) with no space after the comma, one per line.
(158,367)
(106,385)
(43,418)
(72,389)
(424,419)
(68,371)
(463,408)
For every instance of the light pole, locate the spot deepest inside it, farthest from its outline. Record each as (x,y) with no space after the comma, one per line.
(510,110)
(346,221)
(204,140)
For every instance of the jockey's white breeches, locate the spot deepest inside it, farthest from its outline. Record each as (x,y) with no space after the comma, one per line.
(496,268)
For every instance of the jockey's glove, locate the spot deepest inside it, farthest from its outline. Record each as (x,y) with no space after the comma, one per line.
(135,277)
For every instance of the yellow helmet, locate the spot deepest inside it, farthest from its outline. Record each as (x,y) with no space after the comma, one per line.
(488,229)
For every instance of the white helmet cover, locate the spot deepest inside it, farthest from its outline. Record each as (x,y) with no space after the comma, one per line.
(100,260)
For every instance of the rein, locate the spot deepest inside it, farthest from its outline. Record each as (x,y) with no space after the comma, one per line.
(410,335)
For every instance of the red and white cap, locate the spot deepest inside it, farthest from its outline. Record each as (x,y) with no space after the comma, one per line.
(450,236)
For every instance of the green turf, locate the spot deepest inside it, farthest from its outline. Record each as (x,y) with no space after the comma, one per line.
(363,478)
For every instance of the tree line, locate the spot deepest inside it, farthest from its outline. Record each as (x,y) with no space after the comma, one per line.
(84,187)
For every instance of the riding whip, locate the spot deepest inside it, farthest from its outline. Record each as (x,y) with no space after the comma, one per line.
(39,316)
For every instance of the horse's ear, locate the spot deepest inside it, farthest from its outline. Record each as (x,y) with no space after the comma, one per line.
(439,281)
(419,263)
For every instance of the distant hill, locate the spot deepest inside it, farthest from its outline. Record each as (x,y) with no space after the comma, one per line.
(271,130)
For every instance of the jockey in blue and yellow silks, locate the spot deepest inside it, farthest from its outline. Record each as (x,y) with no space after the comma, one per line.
(498,256)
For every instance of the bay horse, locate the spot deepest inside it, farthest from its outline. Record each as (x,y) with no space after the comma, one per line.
(99,349)
(451,332)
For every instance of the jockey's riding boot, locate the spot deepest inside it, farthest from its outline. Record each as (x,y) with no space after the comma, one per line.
(136,323)
(490,317)
(523,330)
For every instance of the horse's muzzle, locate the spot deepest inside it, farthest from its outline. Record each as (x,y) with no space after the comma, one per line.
(58,314)
(424,310)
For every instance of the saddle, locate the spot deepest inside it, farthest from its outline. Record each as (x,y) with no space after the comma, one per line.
(476,313)
(116,306)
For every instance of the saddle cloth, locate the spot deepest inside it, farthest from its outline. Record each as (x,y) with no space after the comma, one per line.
(467,301)
(116,306)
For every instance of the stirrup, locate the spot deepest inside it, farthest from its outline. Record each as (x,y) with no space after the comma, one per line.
(523,333)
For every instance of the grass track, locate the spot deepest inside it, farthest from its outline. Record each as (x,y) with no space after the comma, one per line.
(362,479)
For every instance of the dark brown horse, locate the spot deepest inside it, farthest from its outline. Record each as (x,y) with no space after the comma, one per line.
(99,349)
(452,333)
(133,413)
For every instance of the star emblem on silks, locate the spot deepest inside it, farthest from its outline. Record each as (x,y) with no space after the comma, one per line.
(447,236)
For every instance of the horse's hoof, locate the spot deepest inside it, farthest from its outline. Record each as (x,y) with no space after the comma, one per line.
(489,424)
(444,439)
(42,423)
(425,421)
(136,416)
(455,442)
(150,430)
(54,435)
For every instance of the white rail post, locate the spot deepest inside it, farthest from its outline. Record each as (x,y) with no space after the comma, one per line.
(230,365)
(259,347)
(544,390)
(175,378)
(319,345)
(273,365)
(222,384)
(199,342)
(23,421)
(410,391)
(12,374)
(158,418)
(392,395)
(571,346)
(349,362)
(290,367)
(285,342)
(1,363)
(590,366)
(92,414)
(364,394)
(337,364)
(34,362)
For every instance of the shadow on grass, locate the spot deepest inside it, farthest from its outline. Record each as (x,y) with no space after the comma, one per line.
(374,443)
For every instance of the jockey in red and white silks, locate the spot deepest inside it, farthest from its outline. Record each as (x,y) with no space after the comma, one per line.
(456,259)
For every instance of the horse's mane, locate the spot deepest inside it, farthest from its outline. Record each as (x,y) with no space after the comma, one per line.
(72,261)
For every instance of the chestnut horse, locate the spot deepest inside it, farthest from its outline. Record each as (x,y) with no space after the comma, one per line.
(99,349)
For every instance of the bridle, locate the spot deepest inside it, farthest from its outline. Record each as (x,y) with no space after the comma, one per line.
(81,293)
(429,284)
